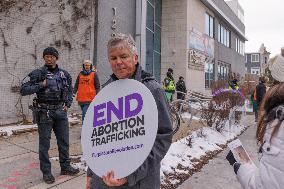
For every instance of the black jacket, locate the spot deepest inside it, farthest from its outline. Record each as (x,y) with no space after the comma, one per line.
(37,76)
(180,86)
(260,92)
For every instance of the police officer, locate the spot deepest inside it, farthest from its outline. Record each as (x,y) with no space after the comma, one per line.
(169,85)
(53,87)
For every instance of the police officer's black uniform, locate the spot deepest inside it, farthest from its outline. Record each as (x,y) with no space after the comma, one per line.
(48,110)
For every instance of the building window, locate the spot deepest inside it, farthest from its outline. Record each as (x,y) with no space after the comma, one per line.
(240,46)
(246,58)
(209,74)
(209,25)
(224,35)
(254,57)
(223,71)
(255,70)
(153,38)
(265,60)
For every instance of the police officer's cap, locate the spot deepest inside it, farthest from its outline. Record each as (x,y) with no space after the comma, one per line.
(50,51)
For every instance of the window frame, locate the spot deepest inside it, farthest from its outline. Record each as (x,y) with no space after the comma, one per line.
(224,35)
(256,59)
(209,25)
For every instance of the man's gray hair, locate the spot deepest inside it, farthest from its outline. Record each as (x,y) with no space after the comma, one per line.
(119,38)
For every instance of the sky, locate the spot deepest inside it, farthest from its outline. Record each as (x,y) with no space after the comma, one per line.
(264,23)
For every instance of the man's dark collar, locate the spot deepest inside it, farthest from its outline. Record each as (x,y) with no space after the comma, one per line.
(51,69)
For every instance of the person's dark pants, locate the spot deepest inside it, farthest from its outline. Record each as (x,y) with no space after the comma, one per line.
(84,108)
(58,121)
(180,96)
(256,116)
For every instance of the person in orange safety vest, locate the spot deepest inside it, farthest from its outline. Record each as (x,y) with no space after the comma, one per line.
(87,85)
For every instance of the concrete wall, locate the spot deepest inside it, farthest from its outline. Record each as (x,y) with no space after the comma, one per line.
(196,20)
(174,37)
(125,23)
(176,28)
(25,30)
(229,55)
(222,5)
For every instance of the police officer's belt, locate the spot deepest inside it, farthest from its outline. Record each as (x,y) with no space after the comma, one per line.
(50,106)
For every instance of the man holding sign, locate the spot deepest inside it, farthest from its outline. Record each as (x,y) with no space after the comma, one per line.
(123,59)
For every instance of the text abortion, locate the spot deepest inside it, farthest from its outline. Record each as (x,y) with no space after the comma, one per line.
(130,124)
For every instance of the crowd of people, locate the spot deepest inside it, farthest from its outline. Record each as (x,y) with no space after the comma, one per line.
(54,95)
(269,134)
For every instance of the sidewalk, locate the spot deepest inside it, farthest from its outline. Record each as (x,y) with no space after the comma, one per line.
(218,173)
(19,162)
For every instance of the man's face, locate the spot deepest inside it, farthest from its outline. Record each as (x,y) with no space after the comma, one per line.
(87,66)
(50,60)
(122,62)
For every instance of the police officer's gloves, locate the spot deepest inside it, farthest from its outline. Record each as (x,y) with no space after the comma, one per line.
(231,159)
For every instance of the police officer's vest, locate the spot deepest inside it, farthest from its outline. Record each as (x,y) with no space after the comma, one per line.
(86,87)
(233,86)
(168,85)
(56,87)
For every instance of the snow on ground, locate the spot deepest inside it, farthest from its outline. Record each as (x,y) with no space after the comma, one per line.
(186,152)
(182,156)
(14,128)
(76,162)
(187,115)
(9,130)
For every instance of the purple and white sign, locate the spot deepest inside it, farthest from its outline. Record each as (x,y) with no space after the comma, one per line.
(120,128)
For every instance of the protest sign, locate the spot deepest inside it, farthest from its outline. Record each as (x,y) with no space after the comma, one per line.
(239,152)
(119,128)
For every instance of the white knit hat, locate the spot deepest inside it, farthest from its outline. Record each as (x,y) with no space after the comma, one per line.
(276,66)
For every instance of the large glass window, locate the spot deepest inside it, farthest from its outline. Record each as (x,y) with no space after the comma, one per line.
(149,51)
(254,57)
(223,71)
(209,74)
(224,35)
(209,25)
(240,46)
(153,38)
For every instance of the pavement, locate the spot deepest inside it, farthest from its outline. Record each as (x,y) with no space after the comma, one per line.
(19,164)
(218,173)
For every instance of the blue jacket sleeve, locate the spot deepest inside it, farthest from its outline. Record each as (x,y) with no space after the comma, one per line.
(33,85)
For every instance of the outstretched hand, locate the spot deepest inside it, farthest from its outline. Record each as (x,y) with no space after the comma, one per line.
(109,180)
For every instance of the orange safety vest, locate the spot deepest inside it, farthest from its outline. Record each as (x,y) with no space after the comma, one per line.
(254,95)
(86,88)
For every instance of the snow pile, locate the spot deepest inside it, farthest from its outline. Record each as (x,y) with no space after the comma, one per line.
(73,119)
(187,115)
(10,130)
(76,162)
(185,154)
